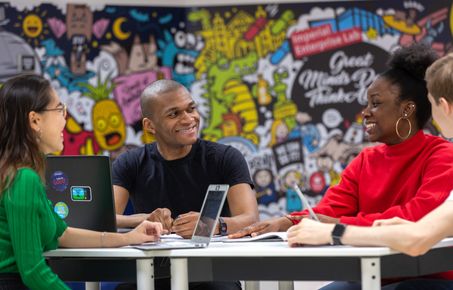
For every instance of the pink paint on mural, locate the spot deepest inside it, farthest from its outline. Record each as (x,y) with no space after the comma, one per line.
(255,28)
(57,26)
(129,88)
(100,26)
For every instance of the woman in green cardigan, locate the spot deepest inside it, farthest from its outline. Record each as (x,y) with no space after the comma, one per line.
(32,120)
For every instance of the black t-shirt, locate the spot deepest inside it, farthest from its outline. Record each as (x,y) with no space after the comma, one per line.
(181,184)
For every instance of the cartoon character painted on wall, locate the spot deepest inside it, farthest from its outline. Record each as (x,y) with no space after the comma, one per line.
(293,202)
(231,125)
(78,141)
(261,91)
(179,52)
(325,176)
(265,186)
(108,125)
(244,106)
(227,92)
(143,55)
(284,108)
(279,132)
(79,23)
(32,25)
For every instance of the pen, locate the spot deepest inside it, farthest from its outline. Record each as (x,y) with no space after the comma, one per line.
(305,202)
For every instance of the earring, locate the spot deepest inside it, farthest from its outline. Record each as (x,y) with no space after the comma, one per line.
(397,124)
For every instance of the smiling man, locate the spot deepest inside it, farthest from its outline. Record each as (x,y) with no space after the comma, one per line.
(167,180)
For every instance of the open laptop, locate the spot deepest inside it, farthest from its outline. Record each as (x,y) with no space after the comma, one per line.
(80,188)
(205,227)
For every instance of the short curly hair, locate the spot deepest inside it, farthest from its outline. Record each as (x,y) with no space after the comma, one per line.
(407,71)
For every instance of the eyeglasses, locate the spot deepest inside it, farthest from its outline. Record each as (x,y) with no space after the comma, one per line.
(62,108)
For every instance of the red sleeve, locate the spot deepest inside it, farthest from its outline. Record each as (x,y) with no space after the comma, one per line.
(436,184)
(342,199)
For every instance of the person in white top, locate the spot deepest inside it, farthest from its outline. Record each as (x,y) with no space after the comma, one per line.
(412,238)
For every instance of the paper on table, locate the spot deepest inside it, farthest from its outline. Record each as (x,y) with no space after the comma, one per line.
(267,237)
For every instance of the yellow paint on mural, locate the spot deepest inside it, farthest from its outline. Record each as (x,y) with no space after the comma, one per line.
(117,31)
(32,25)
(108,125)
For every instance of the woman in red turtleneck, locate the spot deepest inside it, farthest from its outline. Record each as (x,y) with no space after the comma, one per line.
(407,176)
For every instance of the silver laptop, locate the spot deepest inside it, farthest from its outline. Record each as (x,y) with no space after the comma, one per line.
(204,230)
(80,189)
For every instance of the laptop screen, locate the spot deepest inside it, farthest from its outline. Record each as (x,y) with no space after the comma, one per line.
(80,189)
(210,212)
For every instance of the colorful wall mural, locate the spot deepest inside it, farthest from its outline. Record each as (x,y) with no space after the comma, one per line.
(283,83)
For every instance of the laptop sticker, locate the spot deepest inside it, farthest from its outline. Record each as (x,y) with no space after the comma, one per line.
(59,181)
(81,193)
(61,209)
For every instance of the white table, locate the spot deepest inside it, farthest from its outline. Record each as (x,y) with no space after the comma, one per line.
(271,261)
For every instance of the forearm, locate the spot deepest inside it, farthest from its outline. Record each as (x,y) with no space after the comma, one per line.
(413,239)
(397,237)
(241,221)
(130,221)
(80,238)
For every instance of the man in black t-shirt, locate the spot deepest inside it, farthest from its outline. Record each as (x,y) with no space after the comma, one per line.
(167,180)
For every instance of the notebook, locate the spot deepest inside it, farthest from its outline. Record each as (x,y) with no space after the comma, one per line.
(266,237)
(80,189)
(205,227)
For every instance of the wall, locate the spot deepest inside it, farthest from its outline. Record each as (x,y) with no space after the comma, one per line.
(284,83)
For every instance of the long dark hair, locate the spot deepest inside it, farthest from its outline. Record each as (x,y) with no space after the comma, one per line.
(18,142)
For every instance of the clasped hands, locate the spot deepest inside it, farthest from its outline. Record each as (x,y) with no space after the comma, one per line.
(183,225)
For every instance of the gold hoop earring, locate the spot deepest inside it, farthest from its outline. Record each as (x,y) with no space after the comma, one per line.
(410,127)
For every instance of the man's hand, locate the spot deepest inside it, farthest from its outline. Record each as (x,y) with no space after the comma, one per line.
(259,228)
(184,224)
(163,216)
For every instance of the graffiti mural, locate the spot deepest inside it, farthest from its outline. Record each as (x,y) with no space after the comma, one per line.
(283,83)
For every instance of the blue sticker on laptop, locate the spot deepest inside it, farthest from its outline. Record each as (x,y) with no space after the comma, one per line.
(61,209)
(59,181)
(80,193)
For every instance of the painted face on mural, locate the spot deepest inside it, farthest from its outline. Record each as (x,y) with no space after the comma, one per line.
(79,20)
(382,112)
(263,178)
(108,125)
(32,25)
(174,119)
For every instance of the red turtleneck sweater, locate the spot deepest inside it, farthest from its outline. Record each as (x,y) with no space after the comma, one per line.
(406,180)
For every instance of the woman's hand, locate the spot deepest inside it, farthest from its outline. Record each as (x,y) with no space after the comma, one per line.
(145,232)
(310,232)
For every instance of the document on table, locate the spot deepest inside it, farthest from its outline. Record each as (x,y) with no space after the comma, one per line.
(267,237)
